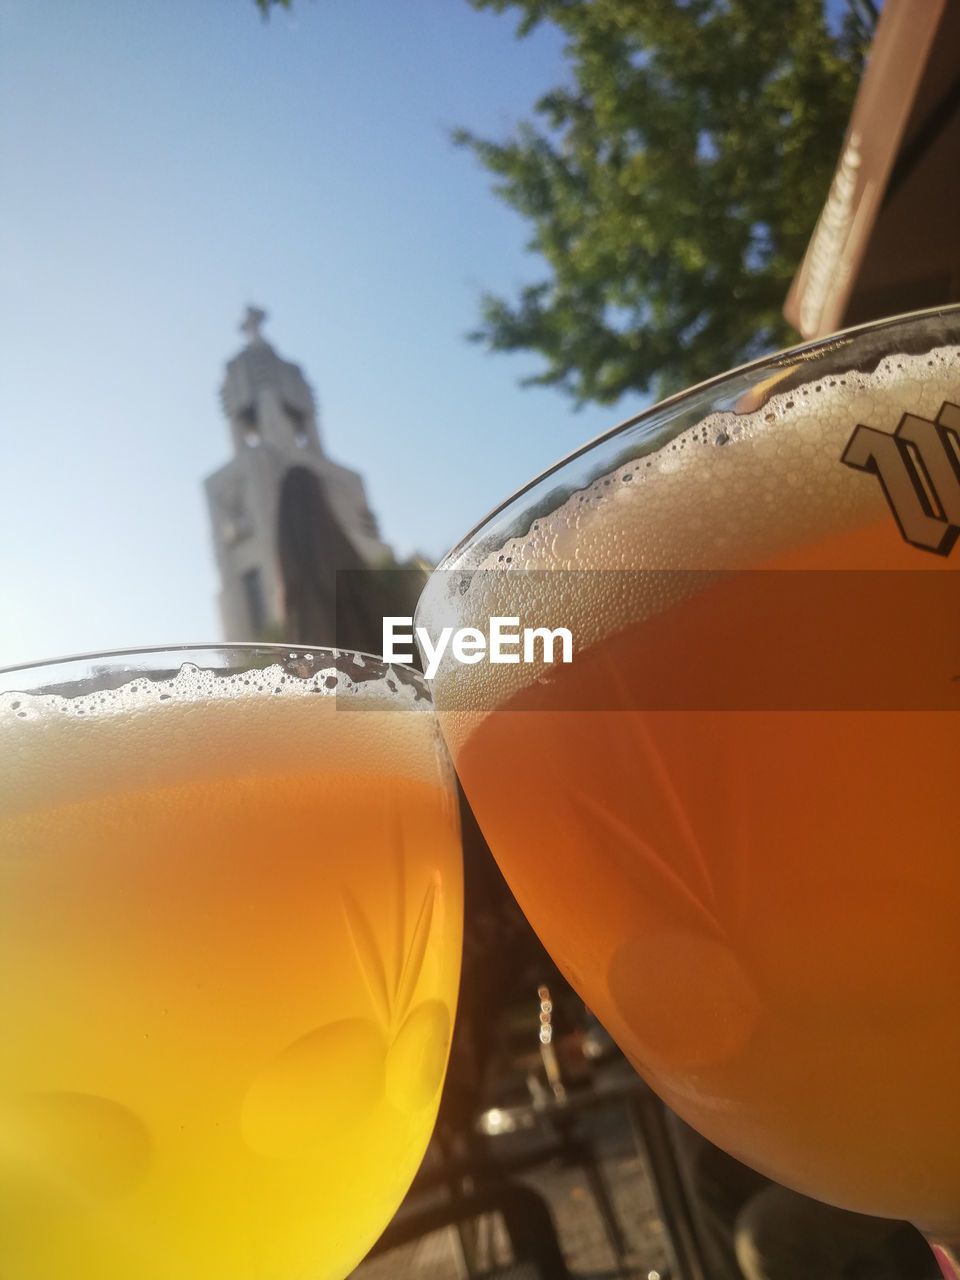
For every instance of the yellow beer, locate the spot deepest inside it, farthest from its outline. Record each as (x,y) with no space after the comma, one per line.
(230,920)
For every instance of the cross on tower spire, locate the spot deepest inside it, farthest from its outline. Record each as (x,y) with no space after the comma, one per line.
(251,324)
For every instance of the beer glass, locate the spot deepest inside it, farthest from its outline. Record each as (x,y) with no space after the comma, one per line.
(732,817)
(230,926)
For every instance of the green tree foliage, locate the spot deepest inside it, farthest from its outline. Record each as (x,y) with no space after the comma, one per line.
(672,185)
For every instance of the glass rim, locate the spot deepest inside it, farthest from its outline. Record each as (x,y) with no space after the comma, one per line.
(804,351)
(285,653)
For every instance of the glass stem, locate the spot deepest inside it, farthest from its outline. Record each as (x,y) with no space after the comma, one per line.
(947,1253)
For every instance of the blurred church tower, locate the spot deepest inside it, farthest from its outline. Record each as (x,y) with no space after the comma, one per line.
(284,516)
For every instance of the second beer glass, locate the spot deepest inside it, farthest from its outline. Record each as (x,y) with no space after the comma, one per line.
(733,817)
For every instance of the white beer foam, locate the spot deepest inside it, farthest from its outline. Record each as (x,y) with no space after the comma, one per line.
(200,725)
(734,491)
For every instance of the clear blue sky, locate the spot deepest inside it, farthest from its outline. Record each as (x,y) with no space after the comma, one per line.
(166,163)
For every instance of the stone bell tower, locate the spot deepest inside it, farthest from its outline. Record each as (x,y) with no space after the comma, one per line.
(273,425)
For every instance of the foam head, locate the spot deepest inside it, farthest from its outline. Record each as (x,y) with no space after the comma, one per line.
(742,488)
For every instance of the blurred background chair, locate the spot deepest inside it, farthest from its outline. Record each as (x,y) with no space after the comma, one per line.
(521,1244)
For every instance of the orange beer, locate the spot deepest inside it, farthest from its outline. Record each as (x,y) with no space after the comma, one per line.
(229,934)
(757,893)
